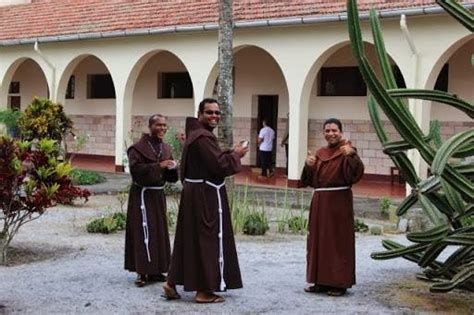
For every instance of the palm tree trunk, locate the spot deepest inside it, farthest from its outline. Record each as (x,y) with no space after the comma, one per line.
(225,80)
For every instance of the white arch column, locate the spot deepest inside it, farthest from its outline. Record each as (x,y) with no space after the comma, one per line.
(298,104)
(420,110)
(3,84)
(298,136)
(123,108)
(123,123)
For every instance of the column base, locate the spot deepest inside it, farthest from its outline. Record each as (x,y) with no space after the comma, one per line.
(119,169)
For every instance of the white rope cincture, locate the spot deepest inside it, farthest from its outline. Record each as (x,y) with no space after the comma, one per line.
(332,188)
(146,235)
(221,231)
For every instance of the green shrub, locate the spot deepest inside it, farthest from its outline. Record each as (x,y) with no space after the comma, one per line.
(281,224)
(44,119)
(173,138)
(256,223)
(122,198)
(171,189)
(298,224)
(172,213)
(384,206)
(375,230)
(86,177)
(120,219)
(10,117)
(360,226)
(240,207)
(107,224)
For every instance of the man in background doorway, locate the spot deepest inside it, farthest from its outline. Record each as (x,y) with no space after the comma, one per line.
(265,146)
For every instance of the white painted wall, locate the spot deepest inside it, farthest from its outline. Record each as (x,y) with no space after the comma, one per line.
(256,73)
(460,82)
(145,95)
(81,104)
(32,82)
(342,107)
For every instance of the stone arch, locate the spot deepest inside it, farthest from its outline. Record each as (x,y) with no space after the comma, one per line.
(443,58)
(459,77)
(141,104)
(352,110)
(93,117)
(17,65)
(258,74)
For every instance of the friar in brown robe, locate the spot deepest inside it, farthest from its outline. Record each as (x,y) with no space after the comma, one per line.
(147,245)
(331,240)
(204,255)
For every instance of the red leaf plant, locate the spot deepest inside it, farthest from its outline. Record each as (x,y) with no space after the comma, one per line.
(31,180)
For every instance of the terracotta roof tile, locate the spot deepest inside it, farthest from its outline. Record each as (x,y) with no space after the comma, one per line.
(62,17)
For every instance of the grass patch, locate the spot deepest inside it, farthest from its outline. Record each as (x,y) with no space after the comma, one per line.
(86,177)
(256,223)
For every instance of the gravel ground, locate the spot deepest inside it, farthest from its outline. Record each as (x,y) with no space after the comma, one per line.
(59,268)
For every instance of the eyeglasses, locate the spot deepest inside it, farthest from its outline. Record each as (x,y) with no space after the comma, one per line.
(210,112)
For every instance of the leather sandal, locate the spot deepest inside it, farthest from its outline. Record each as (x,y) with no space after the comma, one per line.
(141,280)
(170,292)
(214,298)
(336,292)
(316,289)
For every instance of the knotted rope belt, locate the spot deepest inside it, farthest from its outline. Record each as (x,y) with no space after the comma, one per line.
(332,188)
(220,235)
(146,235)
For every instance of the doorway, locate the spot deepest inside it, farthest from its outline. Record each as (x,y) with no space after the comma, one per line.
(268,109)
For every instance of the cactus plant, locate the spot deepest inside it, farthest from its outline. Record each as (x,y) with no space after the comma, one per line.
(447,195)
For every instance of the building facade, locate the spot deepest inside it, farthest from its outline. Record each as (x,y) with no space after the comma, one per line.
(111,81)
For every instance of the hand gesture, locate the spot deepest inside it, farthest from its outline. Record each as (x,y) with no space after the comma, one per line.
(310,159)
(169,164)
(240,150)
(347,149)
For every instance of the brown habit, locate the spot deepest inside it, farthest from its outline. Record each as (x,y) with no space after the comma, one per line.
(144,158)
(195,256)
(331,244)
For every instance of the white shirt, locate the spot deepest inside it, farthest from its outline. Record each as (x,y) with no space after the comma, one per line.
(267,134)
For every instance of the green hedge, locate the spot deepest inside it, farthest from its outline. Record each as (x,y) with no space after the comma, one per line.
(86,177)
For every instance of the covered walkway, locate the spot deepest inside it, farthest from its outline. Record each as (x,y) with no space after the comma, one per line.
(365,188)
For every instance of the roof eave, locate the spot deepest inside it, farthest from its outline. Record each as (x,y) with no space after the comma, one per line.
(289,21)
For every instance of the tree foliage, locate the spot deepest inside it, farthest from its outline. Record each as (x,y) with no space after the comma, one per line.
(44,119)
